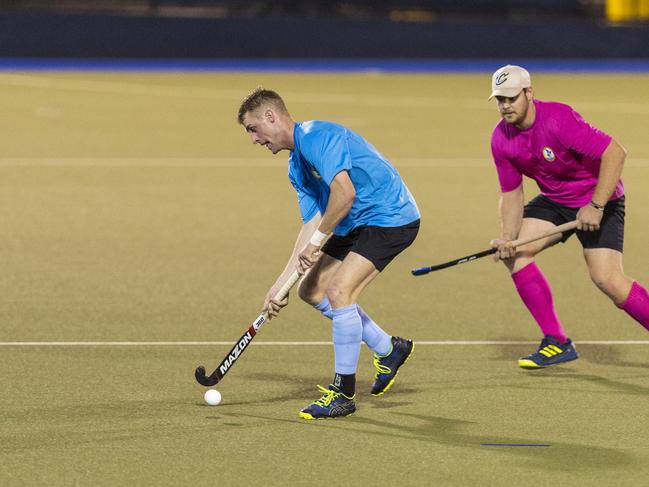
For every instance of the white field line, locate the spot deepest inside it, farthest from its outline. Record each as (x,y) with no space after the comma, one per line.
(168,91)
(299,344)
(279,161)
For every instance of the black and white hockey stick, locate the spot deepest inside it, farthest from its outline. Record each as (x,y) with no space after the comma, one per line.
(420,271)
(243,342)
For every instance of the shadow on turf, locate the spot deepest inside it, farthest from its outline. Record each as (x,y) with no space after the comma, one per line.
(597,354)
(608,355)
(560,456)
(553,377)
(305,389)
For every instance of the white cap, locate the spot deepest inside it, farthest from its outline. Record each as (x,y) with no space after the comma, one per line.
(509,81)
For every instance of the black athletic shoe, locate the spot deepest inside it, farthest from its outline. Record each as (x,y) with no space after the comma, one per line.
(388,365)
(333,404)
(550,352)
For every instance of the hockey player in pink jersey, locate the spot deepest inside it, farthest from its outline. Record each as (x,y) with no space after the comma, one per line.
(578,170)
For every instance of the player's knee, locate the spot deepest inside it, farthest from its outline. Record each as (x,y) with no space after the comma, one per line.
(309,293)
(603,286)
(337,295)
(606,283)
(509,263)
(526,254)
(518,263)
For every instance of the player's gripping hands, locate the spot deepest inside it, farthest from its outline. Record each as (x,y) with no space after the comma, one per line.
(271,305)
(505,249)
(306,258)
(311,252)
(589,217)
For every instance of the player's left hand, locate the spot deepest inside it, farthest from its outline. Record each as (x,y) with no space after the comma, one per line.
(309,256)
(272,307)
(505,249)
(589,218)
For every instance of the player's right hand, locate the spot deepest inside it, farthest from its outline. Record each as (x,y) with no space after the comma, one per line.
(309,256)
(271,306)
(505,249)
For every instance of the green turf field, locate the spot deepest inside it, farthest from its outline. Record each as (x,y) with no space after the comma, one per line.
(134,209)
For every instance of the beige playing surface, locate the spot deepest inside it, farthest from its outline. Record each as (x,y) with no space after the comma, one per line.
(134,209)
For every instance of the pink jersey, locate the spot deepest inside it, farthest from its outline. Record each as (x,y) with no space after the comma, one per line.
(560,151)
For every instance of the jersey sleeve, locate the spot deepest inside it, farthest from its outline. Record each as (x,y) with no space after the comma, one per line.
(578,135)
(328,152)
(307,202)
(509,176)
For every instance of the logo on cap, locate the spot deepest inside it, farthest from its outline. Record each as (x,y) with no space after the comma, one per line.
(548,155)
(502,77)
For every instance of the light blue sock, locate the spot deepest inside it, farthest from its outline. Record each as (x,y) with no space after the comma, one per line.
(347,331)
(373,335)
(324,307)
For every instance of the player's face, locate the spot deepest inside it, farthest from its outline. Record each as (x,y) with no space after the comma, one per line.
(515,109)
(264,129)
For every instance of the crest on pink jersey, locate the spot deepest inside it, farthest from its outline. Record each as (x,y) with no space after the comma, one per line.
(548,154)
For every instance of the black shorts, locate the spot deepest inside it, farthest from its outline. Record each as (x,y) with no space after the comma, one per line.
(611,230)
(379,245)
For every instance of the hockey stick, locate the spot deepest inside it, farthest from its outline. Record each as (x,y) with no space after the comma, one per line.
(243,342)
(420,271)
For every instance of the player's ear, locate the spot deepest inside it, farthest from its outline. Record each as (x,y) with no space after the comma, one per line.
(529,93)
(269,115)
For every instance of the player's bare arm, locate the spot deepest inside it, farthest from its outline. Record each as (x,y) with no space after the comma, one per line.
(511,217)
(590,216)
(341,198)
(270,305)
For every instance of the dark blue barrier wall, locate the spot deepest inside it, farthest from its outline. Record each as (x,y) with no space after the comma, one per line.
(79,36)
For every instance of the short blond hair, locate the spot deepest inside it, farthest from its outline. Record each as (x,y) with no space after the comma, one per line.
(257,98)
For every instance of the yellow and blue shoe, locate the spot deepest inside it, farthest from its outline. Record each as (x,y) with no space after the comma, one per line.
(550,352)
(388,365)
(333,404)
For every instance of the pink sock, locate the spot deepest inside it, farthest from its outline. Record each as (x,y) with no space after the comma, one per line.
(637,304)
(534,290)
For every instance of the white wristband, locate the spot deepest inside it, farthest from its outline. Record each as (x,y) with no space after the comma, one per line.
(317,238)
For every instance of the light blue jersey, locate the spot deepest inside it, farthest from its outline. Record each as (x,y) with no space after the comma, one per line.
(322,150)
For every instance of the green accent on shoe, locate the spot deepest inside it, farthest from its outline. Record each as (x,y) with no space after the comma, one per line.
(387,366)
